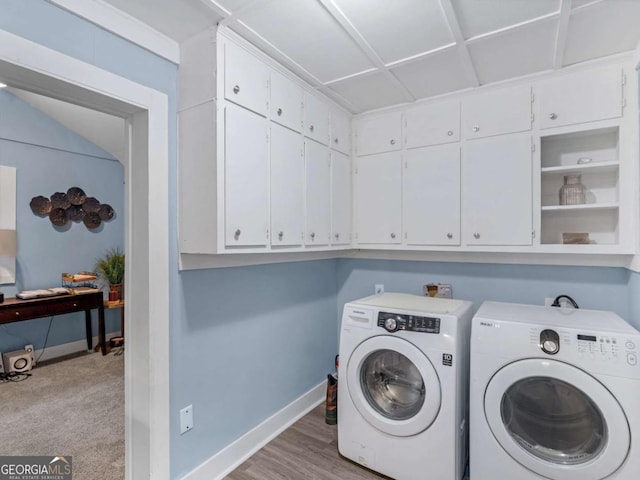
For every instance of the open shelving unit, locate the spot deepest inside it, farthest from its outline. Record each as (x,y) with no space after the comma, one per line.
(593,154)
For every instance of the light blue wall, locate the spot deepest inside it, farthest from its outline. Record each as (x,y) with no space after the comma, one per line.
(50,158)
(591,287)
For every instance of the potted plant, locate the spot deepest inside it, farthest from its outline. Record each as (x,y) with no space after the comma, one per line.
(110,268)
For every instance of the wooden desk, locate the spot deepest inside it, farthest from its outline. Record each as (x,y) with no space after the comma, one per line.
(17,310)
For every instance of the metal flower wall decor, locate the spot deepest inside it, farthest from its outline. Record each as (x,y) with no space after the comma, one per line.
(73,205)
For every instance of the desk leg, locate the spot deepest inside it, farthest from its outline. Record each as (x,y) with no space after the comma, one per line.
(87,320)
(102,333)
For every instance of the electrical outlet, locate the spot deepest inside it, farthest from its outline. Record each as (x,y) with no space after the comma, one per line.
(548,301)
(378,288)
(186,419)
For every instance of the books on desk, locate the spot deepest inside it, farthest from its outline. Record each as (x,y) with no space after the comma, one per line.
(47,292)
(55,291)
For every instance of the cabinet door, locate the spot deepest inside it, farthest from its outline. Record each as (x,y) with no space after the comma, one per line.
(316,118)
(494,113)
(379,199)
(341,132)
(432,124)
(287,182)
(340,199)
(581,97)
(318,194)
(496,191)
(431,196)
(246,179)
(246,79)
(286,102)
(378,134)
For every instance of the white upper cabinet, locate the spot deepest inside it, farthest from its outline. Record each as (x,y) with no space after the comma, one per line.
(378,134)
(507,110)
(286,102)
(431,196)
(316,118)
(246,181)
(378,199)
(580,97)
(318,199)
(496,191)
(341,132)
(340,199)
(287,182)
(432,124)
(246,79)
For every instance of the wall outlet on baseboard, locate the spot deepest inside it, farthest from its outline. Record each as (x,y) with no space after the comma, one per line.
(186,419)
(378,288)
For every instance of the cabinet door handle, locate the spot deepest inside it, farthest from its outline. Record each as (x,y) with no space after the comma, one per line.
(393,235)
(337,235)
(311,128)
(236,234)
(553,116)
(393,141)
(336,141)
(476,235)
(280,235)
(476,128)
(450,132)
(313,235)
(449,236)
(279,112)
(236,89)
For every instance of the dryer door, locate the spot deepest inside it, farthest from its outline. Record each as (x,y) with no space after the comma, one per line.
(393,385)
(557,420)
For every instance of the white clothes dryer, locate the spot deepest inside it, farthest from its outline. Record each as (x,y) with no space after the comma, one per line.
(403,385)
(555,394)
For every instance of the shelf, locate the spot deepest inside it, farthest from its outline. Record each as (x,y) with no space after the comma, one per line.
(586,206)
(600,167)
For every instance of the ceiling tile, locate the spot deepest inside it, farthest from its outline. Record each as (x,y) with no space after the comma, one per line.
(176,19)
(602,29)
(369,91)
(515,53)
(397,33)
(232,5)
(309,35)
(434,75)
(482,16)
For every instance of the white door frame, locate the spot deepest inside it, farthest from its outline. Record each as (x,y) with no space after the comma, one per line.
(31,66)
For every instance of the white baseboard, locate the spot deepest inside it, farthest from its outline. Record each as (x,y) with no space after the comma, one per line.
(230,457)
(68,348)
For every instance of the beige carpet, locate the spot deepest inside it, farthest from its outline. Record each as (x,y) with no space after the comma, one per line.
(74,407)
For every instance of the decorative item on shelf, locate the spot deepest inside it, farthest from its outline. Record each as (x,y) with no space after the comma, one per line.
(79,283)
(573,192)
(73,205)
(575,238)
(584,160)
(110,268)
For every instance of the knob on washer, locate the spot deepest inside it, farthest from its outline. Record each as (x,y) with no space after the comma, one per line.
(390,324)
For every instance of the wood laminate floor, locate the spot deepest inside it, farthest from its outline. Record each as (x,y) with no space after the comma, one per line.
(308,450)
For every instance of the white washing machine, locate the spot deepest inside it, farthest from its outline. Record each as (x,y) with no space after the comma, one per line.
(555,394)
(403,385)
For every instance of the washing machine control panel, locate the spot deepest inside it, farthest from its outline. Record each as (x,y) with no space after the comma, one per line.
(392,322)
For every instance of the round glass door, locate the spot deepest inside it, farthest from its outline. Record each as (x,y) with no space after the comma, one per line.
(556,420)
(393,385)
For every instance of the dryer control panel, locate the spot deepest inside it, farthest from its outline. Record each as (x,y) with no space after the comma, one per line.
(392,322)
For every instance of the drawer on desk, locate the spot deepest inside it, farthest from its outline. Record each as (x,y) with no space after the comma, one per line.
(21,312)
(74,304)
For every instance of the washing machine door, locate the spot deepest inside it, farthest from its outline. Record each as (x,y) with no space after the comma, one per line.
(393,385)
(557,420)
